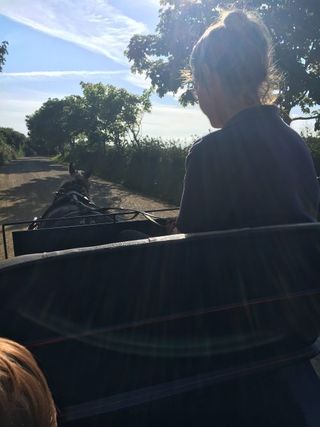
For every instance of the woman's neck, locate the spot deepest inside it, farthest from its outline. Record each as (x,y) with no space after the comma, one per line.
(234,107)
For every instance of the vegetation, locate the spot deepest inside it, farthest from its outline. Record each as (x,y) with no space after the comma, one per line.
(313,143)
(293,25)
(12,144)
(6,152)
(16,140)
(153,166)
(3,53)
(104,115)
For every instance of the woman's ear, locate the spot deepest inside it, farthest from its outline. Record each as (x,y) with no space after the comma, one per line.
(211,81)
(206,77)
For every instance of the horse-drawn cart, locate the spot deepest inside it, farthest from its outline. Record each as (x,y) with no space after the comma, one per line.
(203,329)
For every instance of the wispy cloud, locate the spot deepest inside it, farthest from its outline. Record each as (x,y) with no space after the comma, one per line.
(138,80)
(155,3)
(92,24)
(60,74)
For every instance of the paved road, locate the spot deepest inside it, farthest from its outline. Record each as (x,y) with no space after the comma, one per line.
(27,186)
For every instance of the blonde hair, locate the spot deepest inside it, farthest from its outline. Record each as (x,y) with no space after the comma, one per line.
(238,49)
(25,398)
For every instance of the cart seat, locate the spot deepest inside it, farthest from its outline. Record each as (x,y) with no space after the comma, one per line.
(136,330)
(77,236)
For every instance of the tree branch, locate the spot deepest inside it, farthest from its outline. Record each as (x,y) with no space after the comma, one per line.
(306,118)
(301,97)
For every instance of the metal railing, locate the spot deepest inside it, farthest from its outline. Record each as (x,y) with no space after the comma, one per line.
(113,215)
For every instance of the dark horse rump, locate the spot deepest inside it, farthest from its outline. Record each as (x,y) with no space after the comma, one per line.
(72,209)
(72,205)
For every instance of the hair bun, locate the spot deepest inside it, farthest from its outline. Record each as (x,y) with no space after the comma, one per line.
(236,20)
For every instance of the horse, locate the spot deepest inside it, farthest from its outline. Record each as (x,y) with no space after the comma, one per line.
(72,205)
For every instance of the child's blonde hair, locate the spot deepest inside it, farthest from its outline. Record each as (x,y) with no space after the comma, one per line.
(238,49)
(25,398)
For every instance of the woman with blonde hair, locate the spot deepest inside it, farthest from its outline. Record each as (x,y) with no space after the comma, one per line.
(25,399)
(255,170)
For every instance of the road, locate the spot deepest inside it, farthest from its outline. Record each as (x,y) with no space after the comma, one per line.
(27,186)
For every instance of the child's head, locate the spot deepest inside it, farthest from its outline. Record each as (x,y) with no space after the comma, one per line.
(25,399)
(232,62)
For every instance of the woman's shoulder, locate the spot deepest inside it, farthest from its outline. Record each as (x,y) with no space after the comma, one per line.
(206,142)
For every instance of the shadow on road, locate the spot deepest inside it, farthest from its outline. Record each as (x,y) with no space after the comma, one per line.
(102,195)
(28,200)
(31,165)
(32,198)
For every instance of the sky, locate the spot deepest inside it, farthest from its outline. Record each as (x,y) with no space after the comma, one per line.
(55,44)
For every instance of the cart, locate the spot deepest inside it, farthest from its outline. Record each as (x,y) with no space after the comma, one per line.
(201,329)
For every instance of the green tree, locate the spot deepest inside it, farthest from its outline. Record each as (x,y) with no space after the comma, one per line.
(294,25)
(111,113)
(46,128)
(11,144)
(3,53)
(72,119)
(104,114)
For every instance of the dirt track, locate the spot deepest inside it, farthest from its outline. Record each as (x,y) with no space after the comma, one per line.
(27,186)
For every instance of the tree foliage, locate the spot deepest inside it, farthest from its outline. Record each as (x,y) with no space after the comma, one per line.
(46,127)
(294,25)
(3,53)
(104,114)
(112,113)
(13,138)
(12,143)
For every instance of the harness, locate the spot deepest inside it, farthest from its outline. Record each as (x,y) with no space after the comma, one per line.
(82,203)
(86,210)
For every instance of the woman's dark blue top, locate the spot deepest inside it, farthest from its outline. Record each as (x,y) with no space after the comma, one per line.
(255,171)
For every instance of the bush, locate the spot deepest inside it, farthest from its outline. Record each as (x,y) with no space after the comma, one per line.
(7,153)
(313,142)
(153,167)
(16,140)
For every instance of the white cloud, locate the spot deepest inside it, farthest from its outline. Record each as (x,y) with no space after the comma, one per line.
(303,126)
(15,106)
(13,112)
(60,74)
(155,3)
(138,80)
(92,24)
(170,121)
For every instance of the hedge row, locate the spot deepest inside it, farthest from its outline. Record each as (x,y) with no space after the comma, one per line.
(154,167)
(7,153)
(313,143)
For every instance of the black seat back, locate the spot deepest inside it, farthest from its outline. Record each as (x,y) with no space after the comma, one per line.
(117,319)
(79,236)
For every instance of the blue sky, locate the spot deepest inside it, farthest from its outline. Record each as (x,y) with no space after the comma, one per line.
(54,44)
